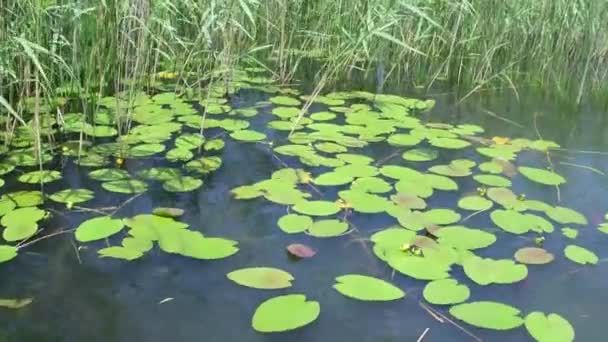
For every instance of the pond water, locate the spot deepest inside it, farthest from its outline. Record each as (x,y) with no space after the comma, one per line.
(164,297)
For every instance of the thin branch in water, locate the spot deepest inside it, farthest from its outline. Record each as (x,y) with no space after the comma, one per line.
(443,317)
(551,167)
(584,167)
(125,203)
(423,334)
(45,237)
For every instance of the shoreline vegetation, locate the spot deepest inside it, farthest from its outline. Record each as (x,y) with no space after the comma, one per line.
(53,49)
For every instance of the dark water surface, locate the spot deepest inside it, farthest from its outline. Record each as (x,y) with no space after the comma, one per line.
(79,297)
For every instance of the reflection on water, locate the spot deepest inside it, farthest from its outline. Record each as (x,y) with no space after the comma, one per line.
(79,297)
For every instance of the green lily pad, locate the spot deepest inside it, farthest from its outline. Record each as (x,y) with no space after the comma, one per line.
(285,313)
(329,147)
(120,252)
(126,186)
(407,201)
(449,143)
(182,184)
(462,237)
(549,328)
(285,101)
(333,178)
(317,208)
(371,185)
(160,173)
(367,288)
(440,182)
(446,292)
(493,180)
(422,268)
(214,145)
(25,198)
(141,245)
(294,223)
(489,315)
(189,141)
(403,140)
(247,135)
(566,215)
(204,165)
(107,175)
(72,196)
(328,228)
(168,212)
(6,206)
(15,304)
(286,112)
(98,228)
(420,155)
(357,159)
(511,221)
(580,255)
(266,278)
(6,168)
(489,271)
(441,216)
(541,176)
(323,116)
(357,171)
(364,202)
(533,256)
(7,253)
(179,154)
(246,192)
(475,203)
(44,176)
(570,233)
(450,170)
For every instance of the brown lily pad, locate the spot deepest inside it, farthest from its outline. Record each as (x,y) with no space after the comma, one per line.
(301,251)
(533,256)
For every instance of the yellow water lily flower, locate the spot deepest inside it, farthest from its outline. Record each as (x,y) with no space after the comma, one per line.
(166,75)
(501,140)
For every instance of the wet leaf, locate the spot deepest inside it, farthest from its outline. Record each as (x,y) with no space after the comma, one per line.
(248,135)
(367,288)
(489,315)
(533,256)
(449,143)
(119,252)
(549,328)
(570,233)
(261,278)
(15,304)
(333,178)
(364,202)
(580,255)
(541,176)
(182,184)
(493,180)
(7,253)
(285,313)
(462,237)
(98,228)
(419,267)
(420,155)
(107,175)
(168,212)
(285,101)
(446,292)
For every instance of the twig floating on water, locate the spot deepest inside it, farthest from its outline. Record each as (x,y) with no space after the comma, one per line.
(423,334)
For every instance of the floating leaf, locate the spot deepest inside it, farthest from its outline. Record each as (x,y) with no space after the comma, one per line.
(7,253)
(182,184)
(25,198)
(450,170)
(570,233)
(489,315)
(446,292)
(566,215)
(414,186)
(421,268)
(119,252)
(15,303)
(549,328)
(294,223)
(441,216)
(449,143)
(364,202)
(541,176)
(367,288)
(493,180)
(328,228)
(317,208)
(247,135)
(6,206)
(489,271)
(261,278)
(580,255)
(285,101)
(475,203)
(510,221)
(168,212)
(285,313)
(462,237)
(107,175)
(403,140)
(160,173)
(533,256)
(72,196)
(43,176)
(301,251)
(332,179)
(136,244)
(420,155)
(127,186)
(357,159)
(371,185)
(406,201)
(179,154)
(98,228)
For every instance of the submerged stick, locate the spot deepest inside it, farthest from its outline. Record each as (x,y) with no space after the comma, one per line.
(592,169)
(423,334)
(559,199)
(444,317)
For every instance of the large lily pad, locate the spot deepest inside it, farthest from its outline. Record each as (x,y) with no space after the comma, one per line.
(489,271)
(126,186)
(420,155)
(261,278)
(43,176)
(489,315)
(247,135)
(580,255)
(446,292)
(549,328)
(475,203)
(285,313)
(107,175)
(120,252)
(7,253)
(98,228)
(493,180)
(364,202)
(541,176)
(367,288)
(294,223)
(422,268)
(566,215)
(182,184)
(333,178)
(317,208)
(533,256)
(328,228)
(462,237)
